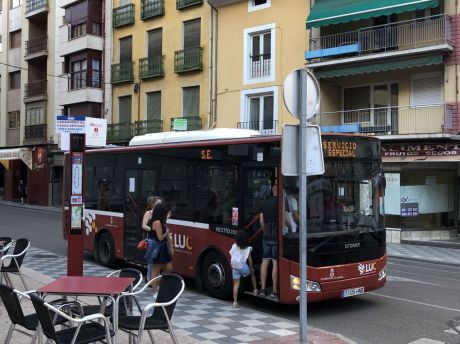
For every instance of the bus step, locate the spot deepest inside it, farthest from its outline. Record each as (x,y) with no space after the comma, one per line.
(274,299)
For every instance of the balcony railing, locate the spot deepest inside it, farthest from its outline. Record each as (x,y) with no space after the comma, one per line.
(150,67)
(122,72)
(36,45)
(35,132)
(120,132)
(264,127)
(123,15)
(81,79)
(260,66)
(425,119)
(152,8)
(32,5)
(188,60)
(180,4)
(404,35)
(35,89)
(189,123)
(149,126)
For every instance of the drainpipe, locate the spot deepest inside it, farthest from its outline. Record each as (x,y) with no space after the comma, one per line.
(102,76)
(210,71)
(212,109)
(216,41)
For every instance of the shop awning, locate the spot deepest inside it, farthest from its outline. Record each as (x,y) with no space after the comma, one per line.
(24,154)
(328,12)
(379,67)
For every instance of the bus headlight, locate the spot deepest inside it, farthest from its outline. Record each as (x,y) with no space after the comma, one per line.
(311,286)
(382,274)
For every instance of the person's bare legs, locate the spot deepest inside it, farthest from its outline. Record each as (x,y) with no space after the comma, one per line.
(254,282)
(155,272)
(236,287)
(263,273)
(168,267)
(275,277)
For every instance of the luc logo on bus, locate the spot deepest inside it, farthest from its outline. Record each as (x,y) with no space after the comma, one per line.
(182,242)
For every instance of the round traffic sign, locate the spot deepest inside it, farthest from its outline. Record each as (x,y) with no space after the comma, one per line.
(301,93)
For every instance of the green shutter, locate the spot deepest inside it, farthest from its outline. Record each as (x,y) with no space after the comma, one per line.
(153,105)
(191,99)
(124,109)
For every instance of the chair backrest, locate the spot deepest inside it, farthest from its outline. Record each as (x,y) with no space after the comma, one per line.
(20,246)
(170,286)
(44,317)
(130,272)
(13,306)
(4,241)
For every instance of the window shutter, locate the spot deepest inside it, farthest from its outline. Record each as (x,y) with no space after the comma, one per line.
(426,91)
(191,99)
(192,34)
(126,49)
(153,105)
(124,109)
(154,43)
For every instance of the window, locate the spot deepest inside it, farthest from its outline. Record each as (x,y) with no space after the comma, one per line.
(255,5)
(15,3)
(78,30)
(13,120)
(259,54)
(1,44)
(124,109)
(259,110)
(96,72)
(15,80)
(426,89)
(15,39)
(78,74)
(192,34)
(126,49)
(191,101)
(35,113)
(153,105)
(154,43)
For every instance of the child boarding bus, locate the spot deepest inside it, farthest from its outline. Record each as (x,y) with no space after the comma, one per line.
(216,181)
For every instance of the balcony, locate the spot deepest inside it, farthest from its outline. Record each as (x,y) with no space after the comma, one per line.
(181,4)
(151,67)
(188,60)
(186,123)
(77,37)
(264,127)
(35,91)
(35,133)
(122,72)
(152,8)
(36,7)
(149,126)
(425,35)
(120,132)
(123,15)
(36,47)
(403,120)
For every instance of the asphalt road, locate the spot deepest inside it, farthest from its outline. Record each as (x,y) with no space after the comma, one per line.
(419,300)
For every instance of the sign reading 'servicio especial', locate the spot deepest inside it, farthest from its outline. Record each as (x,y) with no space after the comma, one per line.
(421,149)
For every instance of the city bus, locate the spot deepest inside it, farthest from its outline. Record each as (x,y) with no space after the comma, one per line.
(215,181)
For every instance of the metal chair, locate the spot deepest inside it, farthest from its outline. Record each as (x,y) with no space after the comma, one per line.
(14,262)
(108,309)
(5,244)
(86,331)
(12,304)
(170,289)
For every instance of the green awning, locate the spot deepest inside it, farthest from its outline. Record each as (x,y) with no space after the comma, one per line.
(328,12)
(379,67)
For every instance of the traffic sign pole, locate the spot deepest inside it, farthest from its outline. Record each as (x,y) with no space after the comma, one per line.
(302,106)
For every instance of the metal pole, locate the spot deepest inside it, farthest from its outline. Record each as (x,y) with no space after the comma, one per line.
(302,103)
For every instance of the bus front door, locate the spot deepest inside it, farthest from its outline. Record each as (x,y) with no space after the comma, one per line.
(132,215)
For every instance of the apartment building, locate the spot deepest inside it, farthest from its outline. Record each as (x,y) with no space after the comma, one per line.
(27,99)
(390,68)
(254,55)
(159,68)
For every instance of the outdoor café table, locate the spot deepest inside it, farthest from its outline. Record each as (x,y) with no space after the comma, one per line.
(111,287)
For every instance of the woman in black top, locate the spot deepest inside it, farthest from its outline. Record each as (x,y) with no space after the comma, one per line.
(162,260)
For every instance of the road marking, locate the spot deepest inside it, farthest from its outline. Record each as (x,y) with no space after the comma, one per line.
(426,341)
(390,271)
(416,302)
(403,279)
(423,268)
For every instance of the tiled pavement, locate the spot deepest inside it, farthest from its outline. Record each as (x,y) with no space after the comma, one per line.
(425,253)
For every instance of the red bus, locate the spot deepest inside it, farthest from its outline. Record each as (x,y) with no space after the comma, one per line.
(216,181)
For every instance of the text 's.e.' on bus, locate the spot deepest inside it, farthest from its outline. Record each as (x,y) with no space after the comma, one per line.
(217,180)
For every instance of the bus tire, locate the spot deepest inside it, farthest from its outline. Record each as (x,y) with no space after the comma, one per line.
(216,276)
(106,250)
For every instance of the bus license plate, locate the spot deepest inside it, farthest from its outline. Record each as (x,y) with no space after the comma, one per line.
(352,292)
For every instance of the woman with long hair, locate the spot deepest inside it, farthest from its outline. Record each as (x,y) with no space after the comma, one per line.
(152,202)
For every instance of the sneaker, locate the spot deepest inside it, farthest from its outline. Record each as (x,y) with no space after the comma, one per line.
(155,295)
(255,292)
(274,295)
(235,304)
(262,292)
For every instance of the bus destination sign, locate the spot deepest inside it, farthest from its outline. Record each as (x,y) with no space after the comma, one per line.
(339,149)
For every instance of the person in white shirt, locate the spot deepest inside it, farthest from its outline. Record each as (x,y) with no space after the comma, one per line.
(240,254)
(292,210)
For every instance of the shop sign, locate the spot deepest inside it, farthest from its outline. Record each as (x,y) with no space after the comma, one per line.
(421,149)
(409,206)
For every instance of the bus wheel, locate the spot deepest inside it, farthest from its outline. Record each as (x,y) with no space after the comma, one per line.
(216,276)
(106,250)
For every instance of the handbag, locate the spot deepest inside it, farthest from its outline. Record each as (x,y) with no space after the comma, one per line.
(142,245)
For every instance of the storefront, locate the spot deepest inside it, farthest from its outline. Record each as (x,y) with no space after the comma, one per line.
(422,195)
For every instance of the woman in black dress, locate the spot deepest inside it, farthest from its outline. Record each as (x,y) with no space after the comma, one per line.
(162,260)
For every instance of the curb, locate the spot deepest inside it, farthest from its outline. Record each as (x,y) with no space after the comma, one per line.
(31,207)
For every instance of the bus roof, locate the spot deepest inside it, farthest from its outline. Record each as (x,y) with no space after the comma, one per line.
(195,135)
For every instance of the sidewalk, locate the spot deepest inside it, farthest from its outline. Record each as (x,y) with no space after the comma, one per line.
(56,210)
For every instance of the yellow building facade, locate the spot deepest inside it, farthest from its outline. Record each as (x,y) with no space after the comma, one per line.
(160,67)
(255,52)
